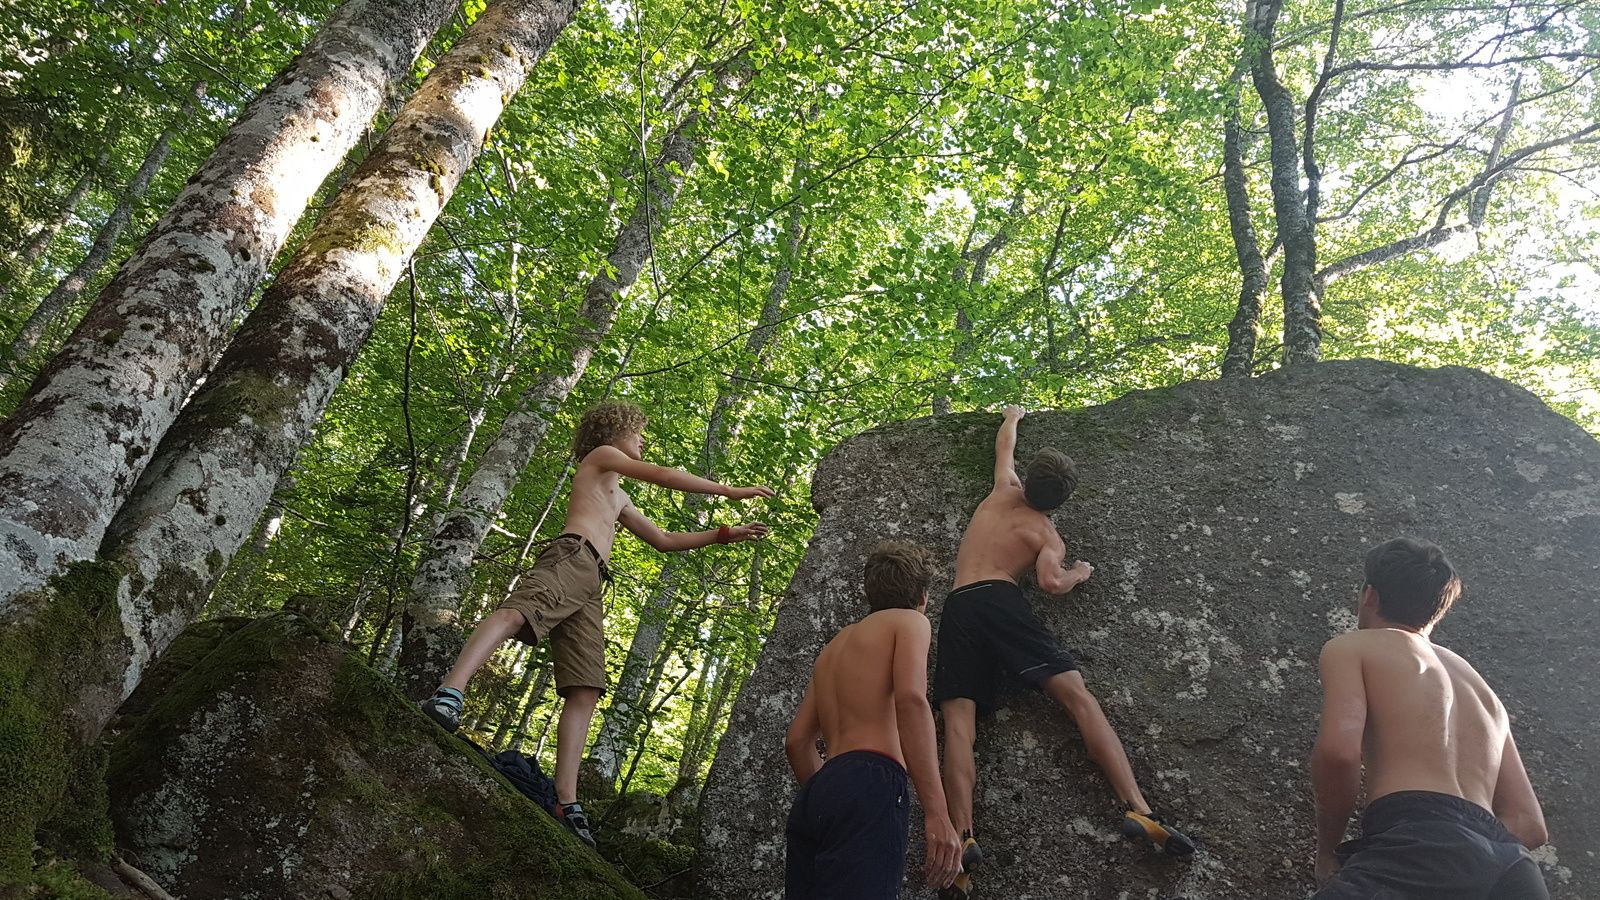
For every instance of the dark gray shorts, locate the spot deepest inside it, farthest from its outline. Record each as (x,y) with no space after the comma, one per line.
(1421,845)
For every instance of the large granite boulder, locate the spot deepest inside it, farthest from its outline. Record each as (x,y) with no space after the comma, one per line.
(1227,522)
(262,761)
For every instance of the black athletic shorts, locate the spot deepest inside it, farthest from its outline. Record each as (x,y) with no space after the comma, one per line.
(986,632)
(847,831)
(1421,845)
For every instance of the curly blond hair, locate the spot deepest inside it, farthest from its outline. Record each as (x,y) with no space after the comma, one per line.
(605,423)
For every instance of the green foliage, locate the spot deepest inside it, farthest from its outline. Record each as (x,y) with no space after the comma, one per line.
(1083,144)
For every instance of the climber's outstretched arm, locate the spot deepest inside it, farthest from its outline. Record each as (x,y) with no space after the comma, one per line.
(1005,450)
(668,541)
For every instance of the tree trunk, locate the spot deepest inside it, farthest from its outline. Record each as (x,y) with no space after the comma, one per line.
(22,263)
(1245,329)
(632,692)
(67,290)
(523,703)
(450,467)
(215,470)
(1302,315)
(697,750)
(519,657)
(87,427)
(535,697)
(243,571)
(433,634)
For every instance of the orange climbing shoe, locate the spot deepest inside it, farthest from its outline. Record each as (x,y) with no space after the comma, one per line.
(1151,828)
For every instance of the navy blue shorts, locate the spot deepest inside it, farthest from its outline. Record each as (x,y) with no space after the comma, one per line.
(1422,845)
(847,831)
(988,632)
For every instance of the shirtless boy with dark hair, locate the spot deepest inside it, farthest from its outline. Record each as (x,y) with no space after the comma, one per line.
(867,700)
(1449,805)
(987,631)
(560,599)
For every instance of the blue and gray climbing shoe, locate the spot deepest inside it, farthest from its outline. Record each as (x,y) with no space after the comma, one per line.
(444,707)
(577,822)
(1154,829)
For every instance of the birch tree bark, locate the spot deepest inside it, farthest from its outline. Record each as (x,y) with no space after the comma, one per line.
(87,427)
(214,472)
(633,692)
(66,292)
(22,262)
(433,611)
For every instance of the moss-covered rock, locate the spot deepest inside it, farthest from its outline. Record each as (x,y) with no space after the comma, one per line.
(277,764)
(662,869)
(48,641)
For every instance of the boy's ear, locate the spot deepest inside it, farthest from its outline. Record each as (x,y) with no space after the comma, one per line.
(923,606)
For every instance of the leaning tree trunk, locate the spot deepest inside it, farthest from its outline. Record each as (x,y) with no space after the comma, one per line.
(1302,317)
(433,611)
(22,263)
(67,290)
(216,469)
(1245,329)
(242,573)
(214,472)
(633,692)
(88,426)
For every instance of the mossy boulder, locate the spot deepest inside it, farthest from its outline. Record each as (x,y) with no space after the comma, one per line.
(274,763)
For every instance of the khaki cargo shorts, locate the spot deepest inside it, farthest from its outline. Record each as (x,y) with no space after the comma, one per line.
(561,599)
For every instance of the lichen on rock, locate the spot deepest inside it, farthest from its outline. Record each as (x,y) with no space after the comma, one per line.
(1227,521)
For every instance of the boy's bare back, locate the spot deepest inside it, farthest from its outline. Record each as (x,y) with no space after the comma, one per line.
(1432,722)
(1004,538)
(853,684)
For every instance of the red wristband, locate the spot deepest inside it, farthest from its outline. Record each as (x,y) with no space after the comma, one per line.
(724,534)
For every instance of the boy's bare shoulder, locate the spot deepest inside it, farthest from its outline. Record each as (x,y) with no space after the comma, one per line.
(600,458)
(907,621)
(1349,643)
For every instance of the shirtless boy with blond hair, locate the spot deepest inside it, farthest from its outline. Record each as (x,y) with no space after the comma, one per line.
(1450,809)
(560,599)
(988,632)
(867,700)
